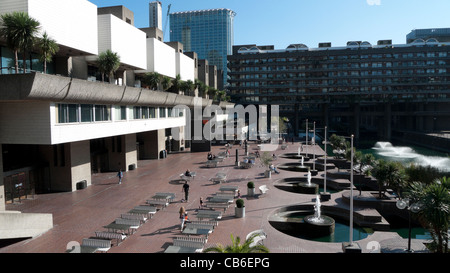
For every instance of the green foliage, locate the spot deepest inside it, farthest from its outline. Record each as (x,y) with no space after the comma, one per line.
(47,47)
(251,185)
(424,174)
(108,62)
(389,174)
(434,214)
(266,158)
(240,203)
(19,30)
(151,80)
(237,247)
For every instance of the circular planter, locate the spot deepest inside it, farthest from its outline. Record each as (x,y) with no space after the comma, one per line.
(239,212)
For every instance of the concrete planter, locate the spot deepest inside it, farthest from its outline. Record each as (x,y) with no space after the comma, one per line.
(239,212)
(250,191)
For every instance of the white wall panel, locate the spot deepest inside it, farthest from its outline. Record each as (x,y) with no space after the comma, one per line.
(123,38)
(161,58)
(71,23)
(185,67)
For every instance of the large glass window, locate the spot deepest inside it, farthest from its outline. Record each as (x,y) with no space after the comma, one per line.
(101,113)
(87,112)
(67,113)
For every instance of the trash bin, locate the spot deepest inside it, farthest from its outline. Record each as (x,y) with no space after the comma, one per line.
(81,185)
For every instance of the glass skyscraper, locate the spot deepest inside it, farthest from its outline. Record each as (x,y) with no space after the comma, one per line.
(209,33)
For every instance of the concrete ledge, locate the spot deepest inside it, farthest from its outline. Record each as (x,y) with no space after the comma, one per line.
(38,86)
(23,225)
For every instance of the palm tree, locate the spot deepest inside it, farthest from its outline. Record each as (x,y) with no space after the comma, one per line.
(236,247)
(108,63)
(212,92)
(189,87)
(20,31)
(152,79)
(166,82)
(176,84)
(434,213)
(48,48)
(389,173)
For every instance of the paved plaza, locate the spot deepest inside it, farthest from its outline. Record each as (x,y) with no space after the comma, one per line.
(77,215)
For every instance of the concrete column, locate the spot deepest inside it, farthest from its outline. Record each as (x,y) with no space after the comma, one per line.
(122,152)
(130,151)
(2,187)
(80,163)
(69,164)
(151,144)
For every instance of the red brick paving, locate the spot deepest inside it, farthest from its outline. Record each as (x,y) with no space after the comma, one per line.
(79,214)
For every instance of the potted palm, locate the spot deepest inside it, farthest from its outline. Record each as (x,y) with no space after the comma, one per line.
(250,188)
(266,159)
(239,210)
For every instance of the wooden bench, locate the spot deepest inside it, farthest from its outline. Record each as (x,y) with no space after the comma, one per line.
(161,203)
(134,224)
(210,223)
(171,195)
(200,226)
(186,245)
(96,244)
(132,216)
(119,237)
(213,205)
(211,164)
(209,214)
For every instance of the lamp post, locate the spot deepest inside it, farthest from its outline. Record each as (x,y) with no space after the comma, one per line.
(313,142)
(351,246)
(325,196)
(411,207)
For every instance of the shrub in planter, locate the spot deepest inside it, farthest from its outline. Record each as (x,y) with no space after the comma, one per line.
(250,188)
(240,203)
(239,211)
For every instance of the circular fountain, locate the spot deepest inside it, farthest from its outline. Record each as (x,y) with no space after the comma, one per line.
(319,225)
(295,167)
(308,187)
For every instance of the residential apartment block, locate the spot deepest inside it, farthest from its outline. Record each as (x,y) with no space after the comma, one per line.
(382,89)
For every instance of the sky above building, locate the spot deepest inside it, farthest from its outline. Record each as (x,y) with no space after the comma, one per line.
(284,22)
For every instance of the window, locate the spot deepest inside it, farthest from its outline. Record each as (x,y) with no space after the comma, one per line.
(101,113)
(67,113)
(87,112)
(162,112)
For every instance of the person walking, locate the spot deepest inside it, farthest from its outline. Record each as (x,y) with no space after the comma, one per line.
(186,191)
(182,212)
(120,175)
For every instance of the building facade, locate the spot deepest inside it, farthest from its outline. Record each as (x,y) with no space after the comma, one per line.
(207,32)
(383,88)
(69,123)
(155,14)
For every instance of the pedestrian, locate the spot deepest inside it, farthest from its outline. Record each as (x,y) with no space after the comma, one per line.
(184,220)
(186,191)
(120,175)
(239,194)
(182,212)
(201,203)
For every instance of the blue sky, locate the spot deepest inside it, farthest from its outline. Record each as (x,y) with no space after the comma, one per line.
(284,22)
